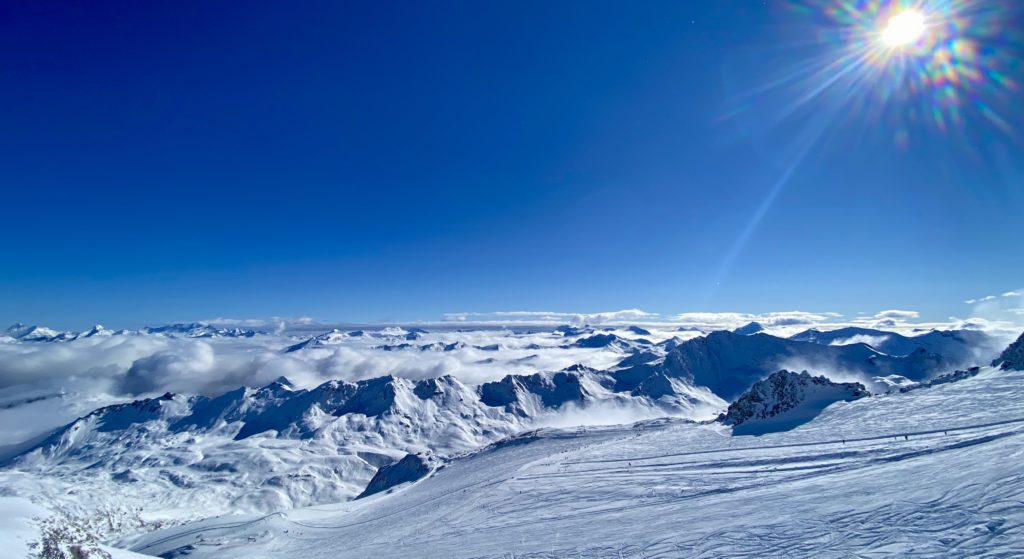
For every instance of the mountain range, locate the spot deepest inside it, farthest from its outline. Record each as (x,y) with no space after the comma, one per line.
(25,333)
(279,446)
(925,472)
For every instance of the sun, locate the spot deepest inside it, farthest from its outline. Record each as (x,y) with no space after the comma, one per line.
(903,29)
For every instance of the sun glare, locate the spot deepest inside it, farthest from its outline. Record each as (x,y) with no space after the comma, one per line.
(903,29)
(914,67)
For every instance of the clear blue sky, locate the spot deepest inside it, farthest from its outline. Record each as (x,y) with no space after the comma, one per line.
(395,161)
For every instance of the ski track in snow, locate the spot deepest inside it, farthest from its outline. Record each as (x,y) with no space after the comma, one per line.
(932,472)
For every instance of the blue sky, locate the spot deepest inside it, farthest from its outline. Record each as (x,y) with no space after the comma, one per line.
(387,161)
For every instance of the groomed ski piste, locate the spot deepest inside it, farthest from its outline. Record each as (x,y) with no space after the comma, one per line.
(934,471)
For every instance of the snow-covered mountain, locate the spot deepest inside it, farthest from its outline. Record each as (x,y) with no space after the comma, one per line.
(959,346)
(25,333)
(569,331)
(96,331)
(784,400)
(200,330)
(336,337)
(728,363)
(749,328)
(638,331)
(928,473)
(432,346)
(611,341)
(288,447)
(332,337)
(411,468)
(280,447)
(441,346)
(1012,357)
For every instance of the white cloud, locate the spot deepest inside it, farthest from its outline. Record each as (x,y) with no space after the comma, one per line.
(1003,310)
(613,316)
(897,315)
(87,358)
(886,323)
(873,341)
(273,322)
(980,299)
(68,379)
(1007,294)
(779,322)
(729,320)
(528,313)
(554,317)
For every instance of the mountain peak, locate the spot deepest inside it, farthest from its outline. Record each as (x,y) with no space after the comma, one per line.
(1012,357)
(568,330)
(750,328)
(281,382)
(97,330)
(639,331)
(786,400)
(25,332)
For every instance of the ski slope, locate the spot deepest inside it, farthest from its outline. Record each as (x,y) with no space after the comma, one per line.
(933,471)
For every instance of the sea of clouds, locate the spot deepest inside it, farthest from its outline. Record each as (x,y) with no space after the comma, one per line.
(44,385)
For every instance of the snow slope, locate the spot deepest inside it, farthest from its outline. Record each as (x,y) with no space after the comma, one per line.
(929,472)
(279,447)
(199,451)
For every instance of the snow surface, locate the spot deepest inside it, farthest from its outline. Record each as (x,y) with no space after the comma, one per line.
(278,447)
(930,472)
(17,528)
(203,423)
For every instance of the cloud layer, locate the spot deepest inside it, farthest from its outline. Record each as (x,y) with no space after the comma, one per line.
(43,385)
(47,384)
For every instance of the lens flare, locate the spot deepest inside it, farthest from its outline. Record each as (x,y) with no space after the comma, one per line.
(941,72)
(911,66)
(904,28)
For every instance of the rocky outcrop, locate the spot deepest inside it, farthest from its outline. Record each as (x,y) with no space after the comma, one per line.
(786,399)
(411,468)
(1012,357)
